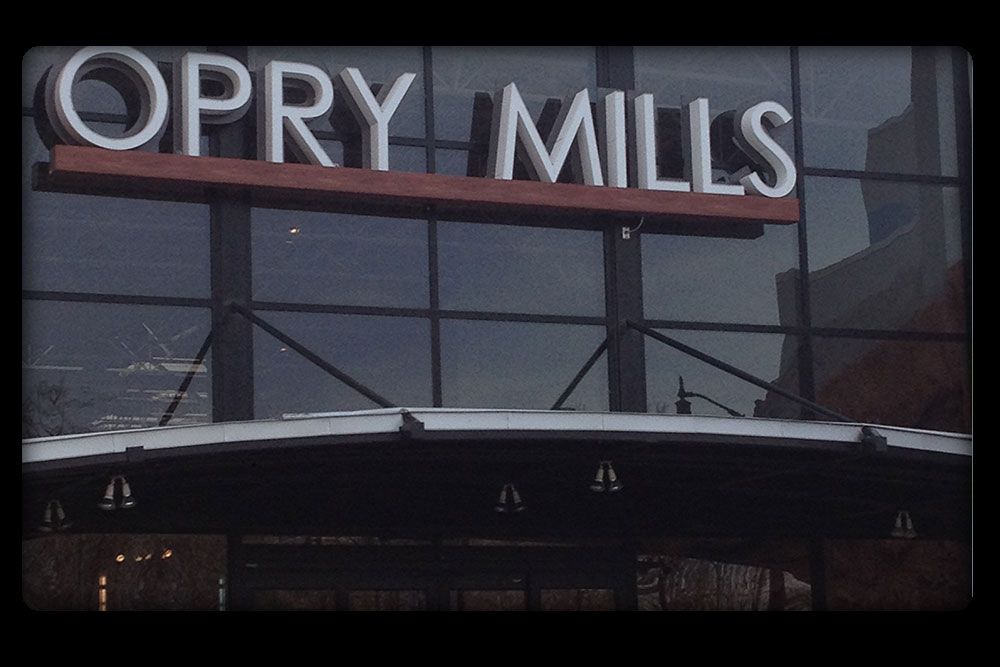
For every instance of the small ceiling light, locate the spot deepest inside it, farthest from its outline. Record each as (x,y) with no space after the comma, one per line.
(138,559)
(510,500)
(108,501)
(167,553)
(54,518)
(120,558)
(903,527)
(294,230)
(605,479)
(128,501)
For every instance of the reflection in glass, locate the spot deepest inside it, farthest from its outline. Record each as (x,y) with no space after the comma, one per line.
(389,355)
(722,280)
(887,109)
(101,367)
(339,259)
(906,383)
(885,255)
(770,357)
(520,269)
(520,365)
(84,243)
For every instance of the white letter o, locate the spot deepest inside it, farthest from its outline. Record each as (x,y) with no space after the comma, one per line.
(139,68)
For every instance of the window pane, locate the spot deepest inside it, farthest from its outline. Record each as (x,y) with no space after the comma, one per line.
(722,280)
(520,269)
(389,355)
(769,357)
(520,365)
(339,259)
(888,109)
(377,64)
(100,367)
(885,255)
(466,78)
(904,383)
(83,243)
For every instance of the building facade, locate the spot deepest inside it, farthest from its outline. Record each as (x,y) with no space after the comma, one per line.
(144,306)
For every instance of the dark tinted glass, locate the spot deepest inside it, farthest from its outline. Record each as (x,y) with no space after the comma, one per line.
(339,259)
(520,269)
(887,109)
(389,355)
(722,280)
(102,367)
(520,365)
(906,383)
(885,255)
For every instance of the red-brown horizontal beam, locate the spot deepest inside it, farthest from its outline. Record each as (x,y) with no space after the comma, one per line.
(161,175)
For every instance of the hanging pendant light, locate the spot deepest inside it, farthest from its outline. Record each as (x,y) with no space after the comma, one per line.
(510,500)
(605,480)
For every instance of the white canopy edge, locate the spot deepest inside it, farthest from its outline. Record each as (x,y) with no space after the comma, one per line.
(444,420)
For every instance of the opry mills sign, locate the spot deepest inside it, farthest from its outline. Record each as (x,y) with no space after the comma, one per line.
(602,146)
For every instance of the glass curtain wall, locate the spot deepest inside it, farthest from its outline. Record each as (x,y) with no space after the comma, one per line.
(869,292)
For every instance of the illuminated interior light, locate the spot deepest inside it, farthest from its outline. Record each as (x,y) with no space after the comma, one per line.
(294,230)
(120,558)
(167,553)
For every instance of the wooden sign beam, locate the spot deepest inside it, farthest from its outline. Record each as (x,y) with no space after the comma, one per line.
(177,177)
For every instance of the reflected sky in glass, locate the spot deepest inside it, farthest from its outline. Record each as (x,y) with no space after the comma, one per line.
(520,269)
(339,259)
(389,355)
(520,365)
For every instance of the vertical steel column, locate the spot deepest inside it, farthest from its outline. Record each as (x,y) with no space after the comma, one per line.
(807,385)
(232,353)
(622,271)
